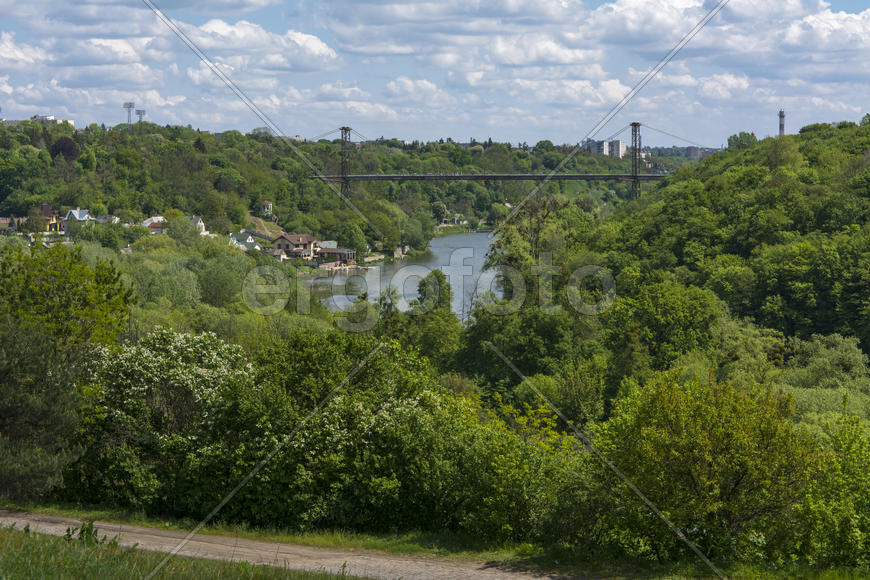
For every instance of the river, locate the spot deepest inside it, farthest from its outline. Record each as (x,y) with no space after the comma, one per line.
(459,256)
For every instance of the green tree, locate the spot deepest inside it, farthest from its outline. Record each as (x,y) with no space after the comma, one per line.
(724,465)
(351,236)
(742,140)
(57,290)
(39,408)
(434,292)
(182,230)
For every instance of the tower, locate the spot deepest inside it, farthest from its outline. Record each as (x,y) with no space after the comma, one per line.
(781,122)
(129,107)
(140,113)
(635,159)
(345,161)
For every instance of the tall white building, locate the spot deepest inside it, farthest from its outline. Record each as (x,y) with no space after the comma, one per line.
(615,148)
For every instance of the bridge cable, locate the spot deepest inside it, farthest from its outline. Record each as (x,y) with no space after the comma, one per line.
(360,135)
(618,133)
(319,137)
(675,136)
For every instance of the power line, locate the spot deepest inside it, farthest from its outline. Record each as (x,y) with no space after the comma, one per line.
(675,136)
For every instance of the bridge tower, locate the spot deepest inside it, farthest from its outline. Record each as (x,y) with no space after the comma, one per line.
(345,161)
(635,159)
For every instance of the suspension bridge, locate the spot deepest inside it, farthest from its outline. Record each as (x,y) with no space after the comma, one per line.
(636,177)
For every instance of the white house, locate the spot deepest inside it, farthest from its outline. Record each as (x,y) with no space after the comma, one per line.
(77,215)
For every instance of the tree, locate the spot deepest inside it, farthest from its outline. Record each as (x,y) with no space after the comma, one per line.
(865,120)
(664,321)
(742,140)
(435,292)
(182,230)
(66,147)
(39,408)
(57,290)
(724,465)
(35,221)
(351,236)
(154,403)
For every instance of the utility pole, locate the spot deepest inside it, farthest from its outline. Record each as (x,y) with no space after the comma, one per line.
(345,161)
(635,160)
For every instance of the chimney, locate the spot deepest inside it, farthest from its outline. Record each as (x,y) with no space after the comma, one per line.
(781,122)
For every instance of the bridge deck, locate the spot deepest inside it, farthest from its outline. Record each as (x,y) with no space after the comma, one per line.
(493,177)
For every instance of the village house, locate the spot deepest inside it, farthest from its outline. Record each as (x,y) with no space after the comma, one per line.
(155,224)
(244,240)
(77,215)
(53,221)
(297,245)
(198,224)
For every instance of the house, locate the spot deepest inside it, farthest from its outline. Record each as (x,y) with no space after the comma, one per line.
(245,241)
(107,219)
(198,224)
(297,245)
(337,255)
(53,221)
(275,253)
(77,215)
(155,224)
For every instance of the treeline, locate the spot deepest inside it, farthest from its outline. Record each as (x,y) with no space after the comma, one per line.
(147,170)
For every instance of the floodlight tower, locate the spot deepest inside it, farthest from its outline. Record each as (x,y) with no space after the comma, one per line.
(140,113)
(129,107)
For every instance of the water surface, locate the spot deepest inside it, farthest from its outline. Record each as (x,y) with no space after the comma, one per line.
(459,256)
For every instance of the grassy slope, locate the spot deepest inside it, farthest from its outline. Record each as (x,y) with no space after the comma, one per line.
(447,546)
(30,555)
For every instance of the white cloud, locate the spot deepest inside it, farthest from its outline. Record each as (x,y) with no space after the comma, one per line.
(264,50)
(18,56)
(537,49)
(720,86)
(418,92)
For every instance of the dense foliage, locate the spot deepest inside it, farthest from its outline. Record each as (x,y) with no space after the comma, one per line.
(725,375)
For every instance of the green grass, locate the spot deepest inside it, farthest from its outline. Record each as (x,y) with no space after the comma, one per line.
(448,546)
(29,555)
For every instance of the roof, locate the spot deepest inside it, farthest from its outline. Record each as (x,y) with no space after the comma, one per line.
(298,238)
(335,251)
(154,219)
(80,215)
(242,237)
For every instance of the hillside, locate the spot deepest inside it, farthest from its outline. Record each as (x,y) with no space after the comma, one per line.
(148,169)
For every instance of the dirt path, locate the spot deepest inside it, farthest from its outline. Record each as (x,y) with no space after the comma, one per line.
(354,562)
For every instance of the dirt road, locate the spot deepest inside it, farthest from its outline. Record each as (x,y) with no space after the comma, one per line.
(354,562)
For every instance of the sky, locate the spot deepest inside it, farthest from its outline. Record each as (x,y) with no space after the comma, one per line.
(511,70)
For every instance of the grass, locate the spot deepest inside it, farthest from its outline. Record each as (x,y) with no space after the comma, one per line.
(28,555)
(447,546)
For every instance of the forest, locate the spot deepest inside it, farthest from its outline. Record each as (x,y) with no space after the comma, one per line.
(726,376)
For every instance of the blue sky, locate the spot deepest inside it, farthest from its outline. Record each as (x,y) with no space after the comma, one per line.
(513,70)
